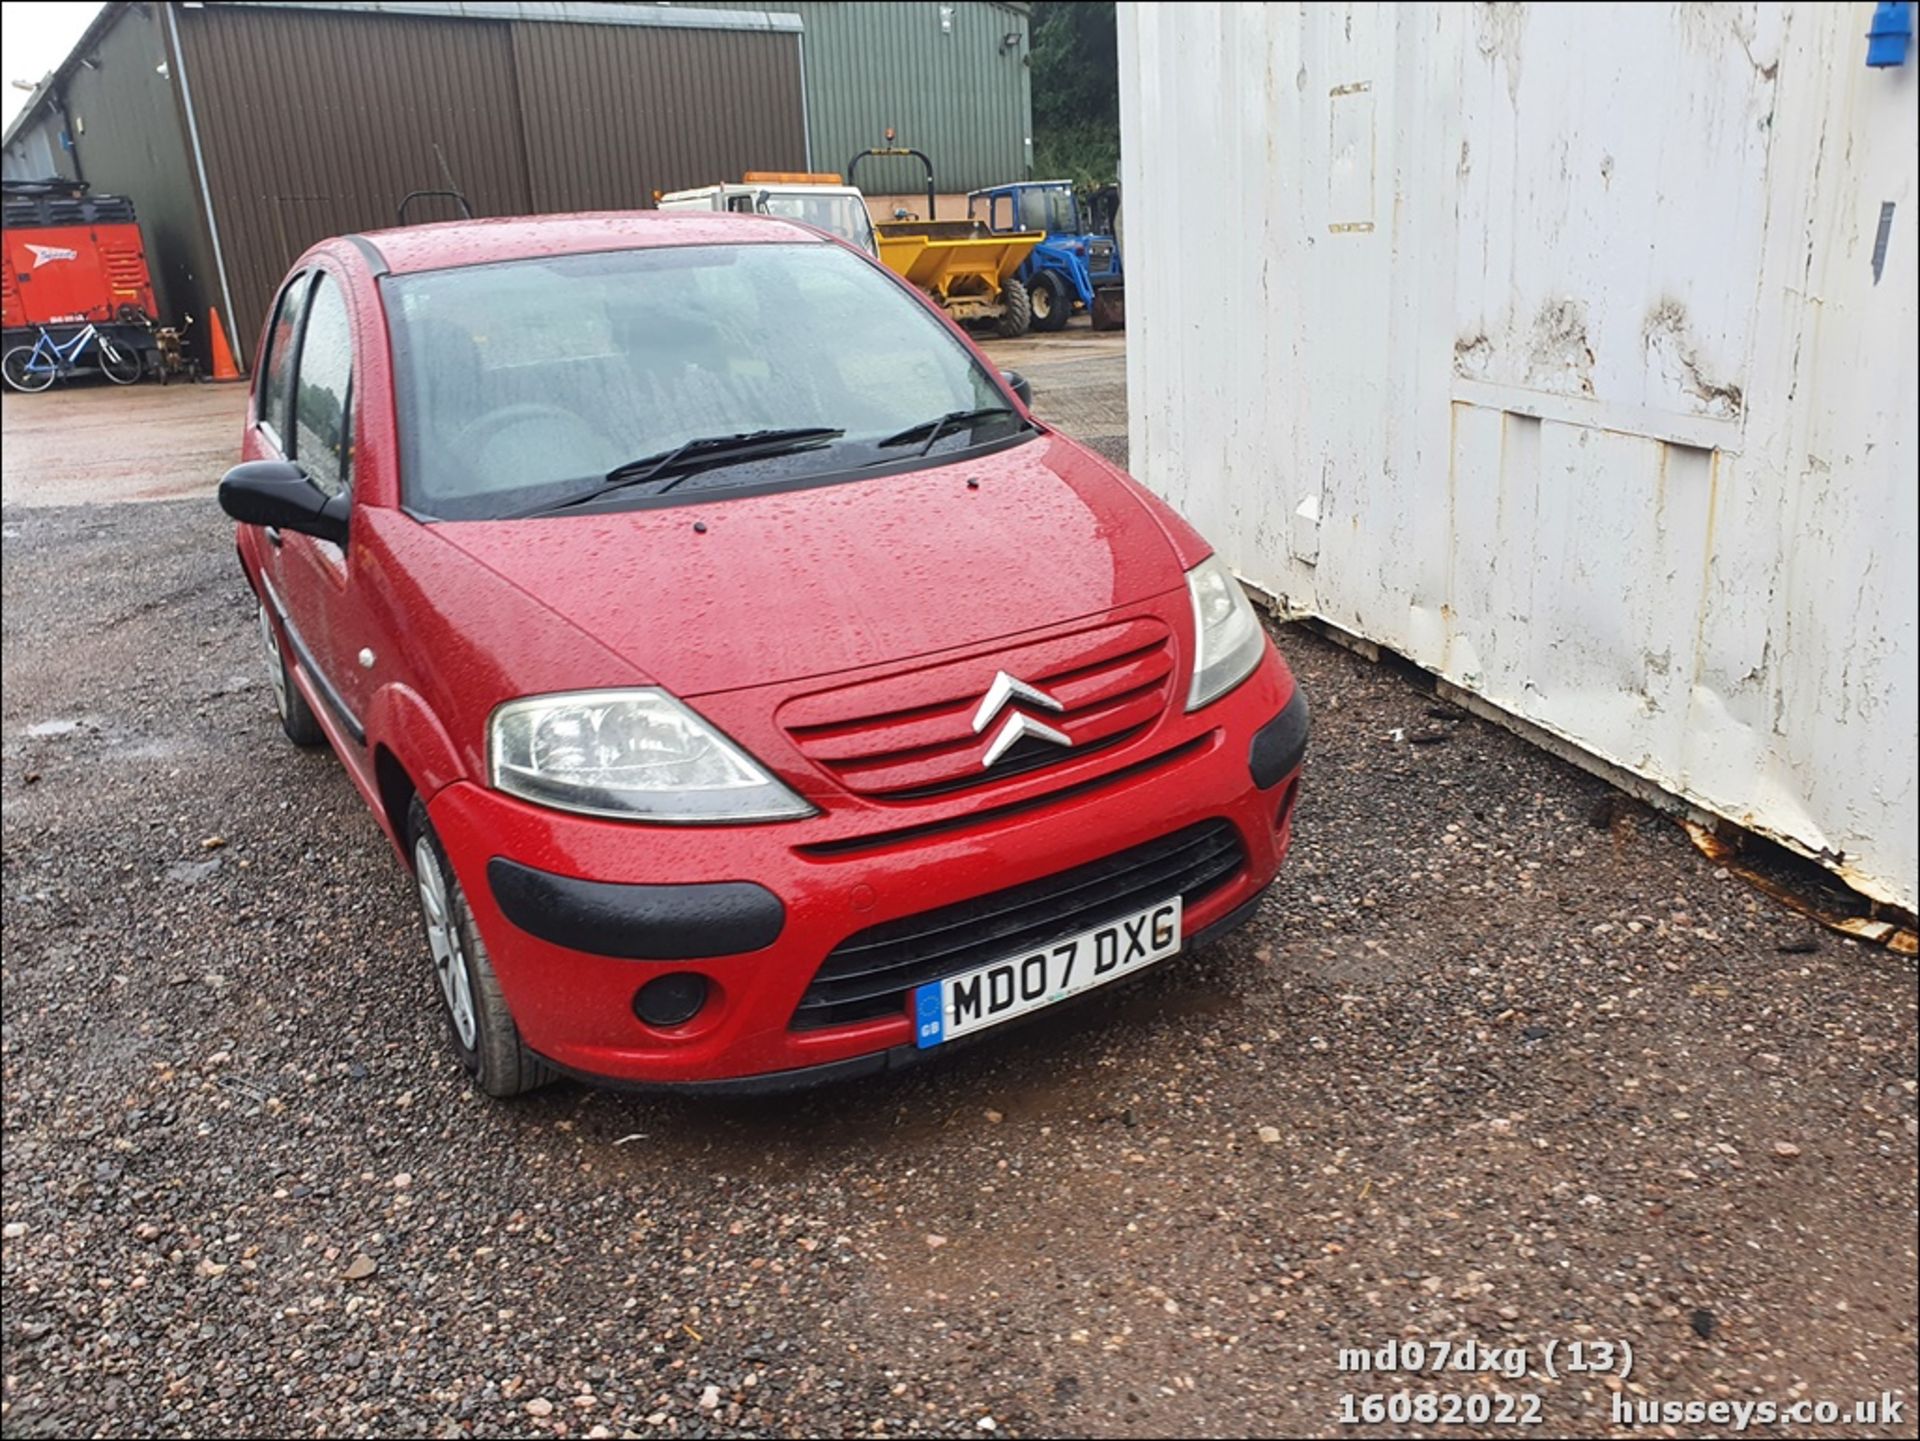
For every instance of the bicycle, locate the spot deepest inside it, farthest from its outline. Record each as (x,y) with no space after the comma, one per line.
(35,367)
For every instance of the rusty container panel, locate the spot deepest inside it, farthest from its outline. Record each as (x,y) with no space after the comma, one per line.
(1568,351)
(613,113)
(316,123)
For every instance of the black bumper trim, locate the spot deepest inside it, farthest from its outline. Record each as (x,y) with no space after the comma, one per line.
(637,922)
(1281,744)
(896,1058)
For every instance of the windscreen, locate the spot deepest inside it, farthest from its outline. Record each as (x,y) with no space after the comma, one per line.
(520,383)
(842,215)
(1050,208)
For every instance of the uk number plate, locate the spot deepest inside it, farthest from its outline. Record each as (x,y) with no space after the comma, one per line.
(985,996)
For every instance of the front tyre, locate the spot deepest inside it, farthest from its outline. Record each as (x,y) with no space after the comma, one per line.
(1018,314)
(479,1025)
(19,371)
(1050,301)
(120,363)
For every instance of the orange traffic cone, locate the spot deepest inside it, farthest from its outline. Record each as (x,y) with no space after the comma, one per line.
(223,366)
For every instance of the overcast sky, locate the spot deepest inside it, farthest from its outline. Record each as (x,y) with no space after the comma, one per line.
(35,36)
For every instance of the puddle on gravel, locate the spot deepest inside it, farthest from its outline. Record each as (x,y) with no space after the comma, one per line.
(191,873)
(107,743)
(156,748)
(1189,1002)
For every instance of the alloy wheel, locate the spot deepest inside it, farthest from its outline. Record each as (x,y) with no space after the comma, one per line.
(276,670)
(443,939)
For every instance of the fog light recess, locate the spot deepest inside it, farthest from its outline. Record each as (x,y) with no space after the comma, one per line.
(671,1000)
(1284,812)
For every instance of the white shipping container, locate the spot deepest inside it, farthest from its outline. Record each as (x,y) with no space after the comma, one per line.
(1568,350)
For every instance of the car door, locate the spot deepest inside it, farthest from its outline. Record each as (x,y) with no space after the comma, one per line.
(319,438)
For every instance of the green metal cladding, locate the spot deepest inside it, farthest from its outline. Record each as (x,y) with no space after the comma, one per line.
(950,77)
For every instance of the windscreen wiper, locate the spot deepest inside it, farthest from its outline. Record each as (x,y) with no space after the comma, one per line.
(704,452)
(940,425)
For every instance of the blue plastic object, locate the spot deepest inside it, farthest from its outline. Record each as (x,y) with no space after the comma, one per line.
(1890,33)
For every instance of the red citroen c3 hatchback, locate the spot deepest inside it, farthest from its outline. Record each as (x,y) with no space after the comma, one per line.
(756,690)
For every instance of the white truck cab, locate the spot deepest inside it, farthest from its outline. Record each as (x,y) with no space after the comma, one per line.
(813,199)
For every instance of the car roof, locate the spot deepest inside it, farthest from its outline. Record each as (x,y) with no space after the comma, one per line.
(519,237)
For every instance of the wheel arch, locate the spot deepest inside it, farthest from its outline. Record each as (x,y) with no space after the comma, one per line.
(397,791)
(412,754)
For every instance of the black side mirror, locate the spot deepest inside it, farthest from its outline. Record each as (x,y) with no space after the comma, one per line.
(277,493)
(1020,386)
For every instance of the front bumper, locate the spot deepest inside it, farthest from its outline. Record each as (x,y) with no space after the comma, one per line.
(894,1058)
(578,913)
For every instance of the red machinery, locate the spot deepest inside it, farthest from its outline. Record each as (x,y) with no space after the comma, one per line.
(69,258)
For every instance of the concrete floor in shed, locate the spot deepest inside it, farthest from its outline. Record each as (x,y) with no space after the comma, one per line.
(1500,1058)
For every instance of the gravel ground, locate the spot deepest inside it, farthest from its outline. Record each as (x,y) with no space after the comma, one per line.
(1501,1057)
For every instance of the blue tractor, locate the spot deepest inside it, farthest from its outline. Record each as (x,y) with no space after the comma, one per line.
(1077,267)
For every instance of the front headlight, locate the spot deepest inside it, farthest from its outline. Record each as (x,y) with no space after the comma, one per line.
(636,754)
(1227,638)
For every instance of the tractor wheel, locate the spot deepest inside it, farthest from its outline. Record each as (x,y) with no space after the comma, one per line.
(1110,309)
(1051,303)
(1018,315)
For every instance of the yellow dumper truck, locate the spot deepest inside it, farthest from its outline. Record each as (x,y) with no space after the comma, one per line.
(962,264)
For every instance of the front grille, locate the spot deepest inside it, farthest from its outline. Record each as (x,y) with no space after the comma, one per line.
(993,815)
(870,972)
(910,737)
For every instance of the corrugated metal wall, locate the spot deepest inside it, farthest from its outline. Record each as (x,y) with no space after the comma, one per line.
(614,113)
(36,152)
(315,122)
(130,139)
(132,143)
(1548,347)
(940,72)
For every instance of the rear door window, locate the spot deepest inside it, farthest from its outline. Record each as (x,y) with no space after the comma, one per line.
(276,383)
(323,391)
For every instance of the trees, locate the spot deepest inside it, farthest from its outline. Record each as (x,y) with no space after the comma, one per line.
(1076,92)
